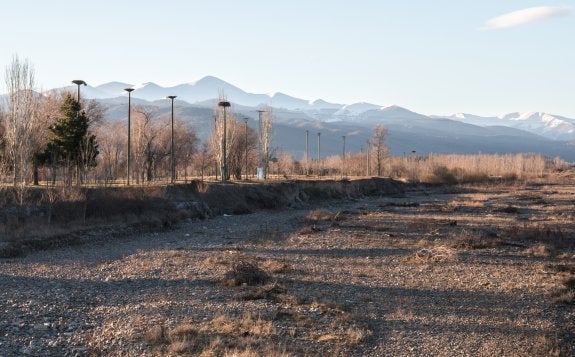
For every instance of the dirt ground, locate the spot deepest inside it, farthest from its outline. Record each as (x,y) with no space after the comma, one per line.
(476,271)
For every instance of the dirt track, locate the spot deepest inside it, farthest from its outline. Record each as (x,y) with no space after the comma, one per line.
(474,271)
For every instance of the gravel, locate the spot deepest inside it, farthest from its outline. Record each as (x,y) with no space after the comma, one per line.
(349,287)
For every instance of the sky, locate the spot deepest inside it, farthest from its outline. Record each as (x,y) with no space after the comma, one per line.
(488,57)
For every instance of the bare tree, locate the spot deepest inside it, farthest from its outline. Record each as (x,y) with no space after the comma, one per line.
(217,140)
(112,150)
(379,148)
(265,137)
(203,158)
(187,145)
(20,119)
(147,133)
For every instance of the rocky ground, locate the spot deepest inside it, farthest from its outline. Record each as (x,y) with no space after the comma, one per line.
(461,271)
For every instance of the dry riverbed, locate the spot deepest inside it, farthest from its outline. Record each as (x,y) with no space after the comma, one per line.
(485,270)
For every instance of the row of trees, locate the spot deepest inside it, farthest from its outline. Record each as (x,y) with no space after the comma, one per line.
(54,137)
(43,130)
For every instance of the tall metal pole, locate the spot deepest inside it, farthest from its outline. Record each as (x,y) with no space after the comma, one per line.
(215,131)
(224,154)
(173,166)
(128,167)
(367,156)
(343,158)
(246,147)
(260,144)
(319,154)
(307,152)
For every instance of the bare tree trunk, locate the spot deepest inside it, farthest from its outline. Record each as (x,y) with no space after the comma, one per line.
(265,138)
(21,119)
(379,147)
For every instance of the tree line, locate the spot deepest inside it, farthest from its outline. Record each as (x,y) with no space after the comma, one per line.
(59,138)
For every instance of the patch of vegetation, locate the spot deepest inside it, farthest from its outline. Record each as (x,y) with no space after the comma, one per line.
(245,273)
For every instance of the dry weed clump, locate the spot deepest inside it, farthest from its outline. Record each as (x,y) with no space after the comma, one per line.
(440,254)
(308,230)
(546,239)
(270,292)
(567,294)
(245,273)
(470,240)
(247,325)
(540,250)
(350,336)
(324,215)
(275,266)
(215,337)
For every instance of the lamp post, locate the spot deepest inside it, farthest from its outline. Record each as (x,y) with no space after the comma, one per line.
(307,152)
(260,146)
(343,158)
(319,154)
(224,104)
(129,90)
(368,163)
(246,147)
(173,166)
(79,82)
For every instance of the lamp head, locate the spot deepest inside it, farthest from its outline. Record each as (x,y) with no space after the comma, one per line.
(172,97)
(129,89)
(79,82)
(224,104)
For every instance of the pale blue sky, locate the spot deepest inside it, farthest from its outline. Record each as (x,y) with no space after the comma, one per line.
(430,56)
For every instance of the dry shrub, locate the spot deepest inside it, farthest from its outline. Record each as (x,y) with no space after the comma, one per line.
(275,266)
(225,259)
(540,250)
(307,230)
(550,235)
(350,336)
(441,175)
(157,335)
(324,215)
(566,295)
(508,209)
(472,240)
(245,273)
(439,254)
(268,292)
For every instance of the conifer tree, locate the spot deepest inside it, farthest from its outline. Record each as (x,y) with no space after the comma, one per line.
(71,145)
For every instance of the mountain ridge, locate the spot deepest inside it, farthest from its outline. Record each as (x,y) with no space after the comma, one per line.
(408,130)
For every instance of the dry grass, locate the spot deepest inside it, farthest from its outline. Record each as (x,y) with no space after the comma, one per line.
(223,335)
(440,254)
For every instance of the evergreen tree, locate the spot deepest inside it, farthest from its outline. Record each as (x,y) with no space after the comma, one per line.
(71,144)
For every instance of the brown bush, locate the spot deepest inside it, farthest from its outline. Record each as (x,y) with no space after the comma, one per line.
(245,273)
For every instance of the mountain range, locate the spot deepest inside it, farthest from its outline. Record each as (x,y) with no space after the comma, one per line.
(534,132)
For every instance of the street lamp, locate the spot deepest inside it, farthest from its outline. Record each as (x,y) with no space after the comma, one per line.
(246,146)
(318,154)
(79,82)
(129,90)
(260,146)
(224,104)
(368,163)
(307,152)
(343,158)
(173,166)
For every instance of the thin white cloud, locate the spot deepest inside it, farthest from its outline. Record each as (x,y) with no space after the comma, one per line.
(526,16)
